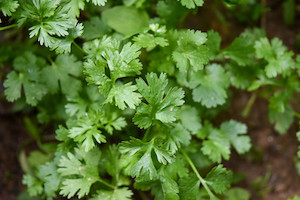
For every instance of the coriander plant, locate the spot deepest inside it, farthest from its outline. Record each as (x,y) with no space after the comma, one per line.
(133,96)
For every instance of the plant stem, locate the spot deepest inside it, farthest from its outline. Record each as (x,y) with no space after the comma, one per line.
(8,27)
(202,181)
(297,114)
(78,47)
(106,183)
(146,134)
(249,105)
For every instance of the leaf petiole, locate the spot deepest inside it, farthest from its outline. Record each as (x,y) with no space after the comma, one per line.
(202,181)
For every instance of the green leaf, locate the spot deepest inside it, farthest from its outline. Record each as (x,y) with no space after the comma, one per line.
(124,63)
(126,20)
(235,132)
(217,146)
(8,7)
(63,45)
(213,43)
(171,12)
(190,119)
(51,178)
(138,161)
(282,120)
(80,171)
(48,20)
(237,194)
(74,7)
(189,188)
(279,60)
(124,94)
(190,53)
(213,85)
(177,136)
(62,73)
(162,105)
(98,2)
(87,130)
(116,194)
(27,76)
(95,28)
(191,3)
(154,37)
(219,179)
(34,186)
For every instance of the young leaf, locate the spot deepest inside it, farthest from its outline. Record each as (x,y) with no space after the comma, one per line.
(191,52)
(138,159)
(80,172)
(27,75)
(124,94)
(116,194)
(8,7)
(213,84)
(161,106)
(219,179)
(235,133)
(191,3)
(62,73)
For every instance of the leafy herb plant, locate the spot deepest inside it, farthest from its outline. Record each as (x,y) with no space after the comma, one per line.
(133,97)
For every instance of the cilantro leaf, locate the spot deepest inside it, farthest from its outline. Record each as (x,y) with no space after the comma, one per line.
(191,51)
(95,28)
(74,7)
(98,2)
(217,144)
(62,73)
(138,161)
(190,119)
(87,128)
(280,112)
(189,188)
(151,40)
(177,136)
(161,106)
(213,84)
(191,3)
(219,179)
(126,20)
(8,7)
(51,178)
(48,20)
(235,133)
(116,194)
(63,45)
(279,60)
(35,187)
(124,94)
(80,171)
(26,75)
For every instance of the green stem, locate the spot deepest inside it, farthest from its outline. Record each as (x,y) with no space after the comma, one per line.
(106,183)
(202,181)
(297,114)
(78,47)
(8,27)
(249,105)
(146,134)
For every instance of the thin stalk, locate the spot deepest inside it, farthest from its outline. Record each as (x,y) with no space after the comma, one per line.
(202,181)
(146,134)
(78,47)
(8,27)
(249,105)
(297,114)
(107,184)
